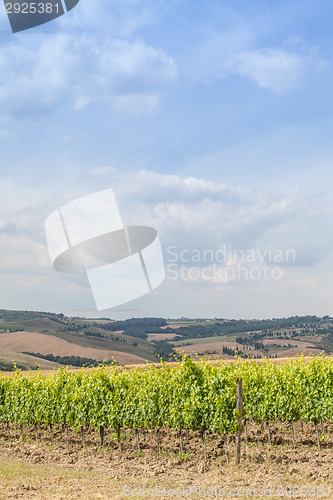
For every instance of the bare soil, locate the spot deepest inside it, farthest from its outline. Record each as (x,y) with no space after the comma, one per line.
(161,336)
(36,468)
(207,347)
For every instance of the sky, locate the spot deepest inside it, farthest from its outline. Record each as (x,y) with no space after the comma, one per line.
(211,121)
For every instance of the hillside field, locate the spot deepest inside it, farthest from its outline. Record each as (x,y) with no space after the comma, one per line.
(46,344)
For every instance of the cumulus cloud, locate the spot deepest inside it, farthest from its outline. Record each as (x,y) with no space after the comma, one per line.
(274,69)
(194,212)
(126,75)
(83,60)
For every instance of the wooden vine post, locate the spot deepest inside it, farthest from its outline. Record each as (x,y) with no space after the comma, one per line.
(239,408)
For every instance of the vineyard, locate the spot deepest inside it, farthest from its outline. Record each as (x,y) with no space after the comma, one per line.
(188,396)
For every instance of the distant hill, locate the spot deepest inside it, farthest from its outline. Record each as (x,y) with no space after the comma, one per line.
(17,316)
(136,340)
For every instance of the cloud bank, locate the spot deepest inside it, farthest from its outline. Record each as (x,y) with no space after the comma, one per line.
(124,75)
(191,214)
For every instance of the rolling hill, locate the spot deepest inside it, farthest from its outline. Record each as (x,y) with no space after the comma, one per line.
(138,340)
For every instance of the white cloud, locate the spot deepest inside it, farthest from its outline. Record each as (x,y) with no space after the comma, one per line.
(189,213)
(228,43)
(195,212)
(275,69)
(126,75)
(272,69)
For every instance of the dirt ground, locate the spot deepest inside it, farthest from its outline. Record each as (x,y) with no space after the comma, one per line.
(36,468)
(161,336)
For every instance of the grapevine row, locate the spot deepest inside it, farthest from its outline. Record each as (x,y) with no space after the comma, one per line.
(196,396)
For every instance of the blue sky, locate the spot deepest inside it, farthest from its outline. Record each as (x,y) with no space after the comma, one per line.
(212,121)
